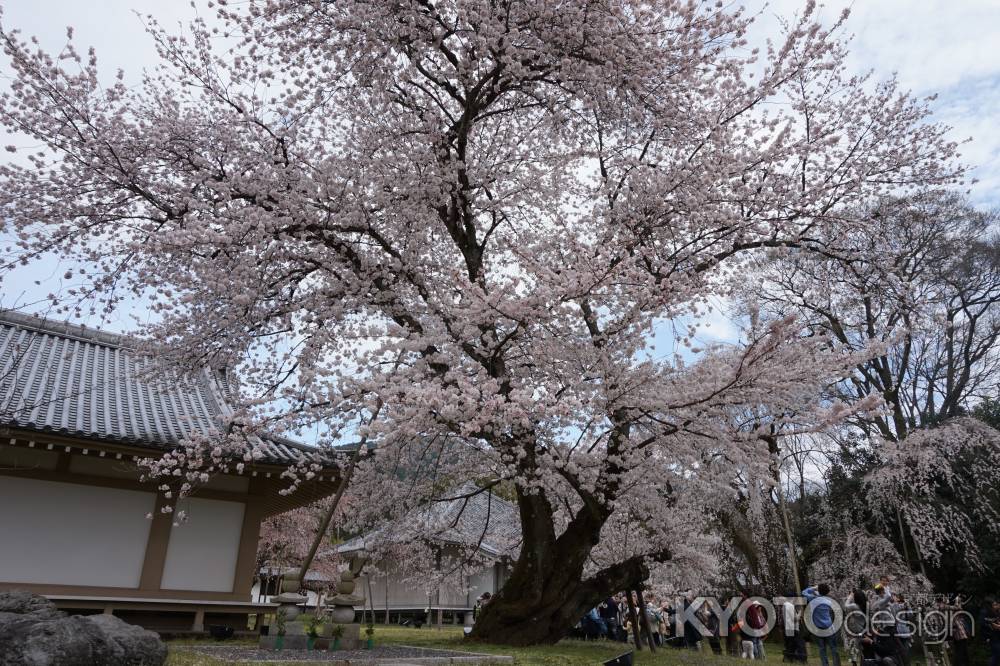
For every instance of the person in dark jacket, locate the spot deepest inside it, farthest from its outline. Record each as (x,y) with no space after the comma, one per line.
(991,630)
(795,643)
(757,621)
(691,634)
(610,613)
(879,650)
(713,625)
(733,637)
(960,630)
(483,599)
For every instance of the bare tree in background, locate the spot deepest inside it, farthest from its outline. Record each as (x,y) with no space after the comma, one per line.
(931,306)
(930,310)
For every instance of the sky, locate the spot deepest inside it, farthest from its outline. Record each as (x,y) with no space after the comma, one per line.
(936,47)
(946,48)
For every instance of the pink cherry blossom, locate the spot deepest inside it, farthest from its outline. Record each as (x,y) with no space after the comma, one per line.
(476,214)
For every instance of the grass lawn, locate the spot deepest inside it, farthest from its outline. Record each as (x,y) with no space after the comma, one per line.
(565,653)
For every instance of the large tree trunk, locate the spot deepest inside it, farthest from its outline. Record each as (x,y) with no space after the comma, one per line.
(546,593)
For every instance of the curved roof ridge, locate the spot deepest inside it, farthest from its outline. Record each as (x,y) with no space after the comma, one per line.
(65,329)
(58,377)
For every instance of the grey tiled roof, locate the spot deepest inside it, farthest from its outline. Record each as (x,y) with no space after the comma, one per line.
(82,382)
(471,517)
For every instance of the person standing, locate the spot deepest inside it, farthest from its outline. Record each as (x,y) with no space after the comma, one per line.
(961,631)
(734,636)
(746,640)
(714,628)
(856,624)
(881,609)
(692,637)
(477,609)
(822,620)
(991,630)
(609,613)
(594,625)
(795,645)
(757,619)
(904,628)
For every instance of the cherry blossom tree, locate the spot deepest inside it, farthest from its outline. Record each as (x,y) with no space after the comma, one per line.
(860,559)
(945,482)
(473,216)
(928,306)
(285,540)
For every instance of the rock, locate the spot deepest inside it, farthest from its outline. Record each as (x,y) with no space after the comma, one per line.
(25,603)
(62,641)
(138,646)
(34,633)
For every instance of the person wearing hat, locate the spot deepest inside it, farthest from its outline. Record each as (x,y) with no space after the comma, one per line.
(881,607)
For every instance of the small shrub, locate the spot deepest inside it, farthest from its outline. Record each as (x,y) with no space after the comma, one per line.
(313,624)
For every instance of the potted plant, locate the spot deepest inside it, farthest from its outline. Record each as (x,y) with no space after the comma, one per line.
(336,633)
(370,633)
(279,621)
(312,631)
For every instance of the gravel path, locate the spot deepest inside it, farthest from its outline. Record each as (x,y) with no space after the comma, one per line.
(388,654)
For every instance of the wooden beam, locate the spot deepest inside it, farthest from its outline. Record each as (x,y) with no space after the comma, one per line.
(156,547)
(635,621)
(644,618)
(246,557)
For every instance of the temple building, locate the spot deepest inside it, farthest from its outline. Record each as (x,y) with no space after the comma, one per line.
(78,408)
(474,526)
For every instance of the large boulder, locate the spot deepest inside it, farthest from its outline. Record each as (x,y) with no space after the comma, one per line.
(34,633)
(26,603)
(131,644)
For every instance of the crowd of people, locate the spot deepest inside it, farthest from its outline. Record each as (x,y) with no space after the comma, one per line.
(878,627)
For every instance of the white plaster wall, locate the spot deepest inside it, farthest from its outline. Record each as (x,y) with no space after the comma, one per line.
(402,593)
(484,581)
(202,551)
(72,534)
(406,594)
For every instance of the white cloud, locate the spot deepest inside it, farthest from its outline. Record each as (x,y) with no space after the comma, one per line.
(935,47)
(113,27)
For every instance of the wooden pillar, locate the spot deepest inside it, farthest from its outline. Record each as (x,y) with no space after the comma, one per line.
(246,555)
(156,546)
(644,618)
(635,621)
(199,620)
